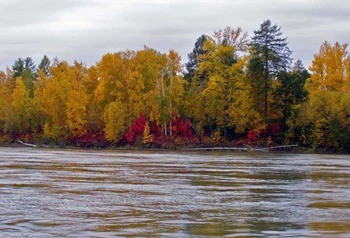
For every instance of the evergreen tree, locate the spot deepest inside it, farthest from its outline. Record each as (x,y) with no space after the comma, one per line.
(290,91)
(30,65)
(26,69)
(18,67)
(269,56)
(44,65)
(194,58)
(299,67)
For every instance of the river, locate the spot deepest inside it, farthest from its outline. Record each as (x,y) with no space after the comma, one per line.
(83,193)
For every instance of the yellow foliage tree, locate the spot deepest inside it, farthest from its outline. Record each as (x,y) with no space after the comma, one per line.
(61,100)
(330,69)
(7,85)
(18,120)
(93,108)
(226,94)
(147,137)
(114,120)
(77,112)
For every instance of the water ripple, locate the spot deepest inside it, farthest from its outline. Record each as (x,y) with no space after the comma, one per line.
(76,193)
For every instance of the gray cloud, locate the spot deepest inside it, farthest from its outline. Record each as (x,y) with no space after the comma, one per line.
(20,13)
(87,29)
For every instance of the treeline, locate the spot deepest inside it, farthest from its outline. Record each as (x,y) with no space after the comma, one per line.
(235,90)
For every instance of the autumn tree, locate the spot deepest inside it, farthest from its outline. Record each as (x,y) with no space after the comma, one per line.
(174,86)
(150,66)
(324,122)
(112,81)
(330,69)
(77,101)
(18,119)
(94,120)
(115,121)
(227,103)
(7,85)
(39,103)
(146,81)
(324,119)
(147,137)
(51,100)
(62,99)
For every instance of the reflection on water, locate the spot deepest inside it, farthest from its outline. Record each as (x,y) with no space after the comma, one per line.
(50,193)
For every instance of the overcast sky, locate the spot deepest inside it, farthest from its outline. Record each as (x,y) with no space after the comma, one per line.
(86,29)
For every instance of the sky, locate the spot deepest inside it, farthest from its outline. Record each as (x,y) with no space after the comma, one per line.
(85,30)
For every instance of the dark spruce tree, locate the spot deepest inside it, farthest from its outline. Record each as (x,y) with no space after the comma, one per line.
(26,69)
(290,92)
(44,65)
(269,56)
(18,67)
(30,65)
(194,58)
(22,65)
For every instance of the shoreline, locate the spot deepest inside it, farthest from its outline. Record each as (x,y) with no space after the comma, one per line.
(238,149)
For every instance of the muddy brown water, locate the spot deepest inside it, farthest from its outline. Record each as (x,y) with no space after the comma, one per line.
(77,193)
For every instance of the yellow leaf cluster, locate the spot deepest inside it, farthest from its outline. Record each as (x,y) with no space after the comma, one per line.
(330,69)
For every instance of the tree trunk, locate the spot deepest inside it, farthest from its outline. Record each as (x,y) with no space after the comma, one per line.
(266,78)
(171,106)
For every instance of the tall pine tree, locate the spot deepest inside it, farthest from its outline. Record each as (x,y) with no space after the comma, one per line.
(269,56)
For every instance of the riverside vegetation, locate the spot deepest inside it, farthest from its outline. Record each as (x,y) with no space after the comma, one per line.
(234,91)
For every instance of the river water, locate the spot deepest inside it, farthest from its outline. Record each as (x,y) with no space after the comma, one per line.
(77,193)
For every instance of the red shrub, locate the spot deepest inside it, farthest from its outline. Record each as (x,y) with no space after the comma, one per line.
(181,128)
(265,133)
(89,140)
(155,129)
(275,128)
(252,136)
(136,129)
(130,136)
(163,142)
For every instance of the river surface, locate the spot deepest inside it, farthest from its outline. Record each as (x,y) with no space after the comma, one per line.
(77,193)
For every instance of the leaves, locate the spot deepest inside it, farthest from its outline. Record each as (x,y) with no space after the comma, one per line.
(234,92)
(114,119)
(330,69)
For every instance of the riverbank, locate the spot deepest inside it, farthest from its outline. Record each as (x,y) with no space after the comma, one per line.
(187,148)
(206,144)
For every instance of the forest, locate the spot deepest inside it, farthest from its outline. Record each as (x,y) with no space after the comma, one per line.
(234,90)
